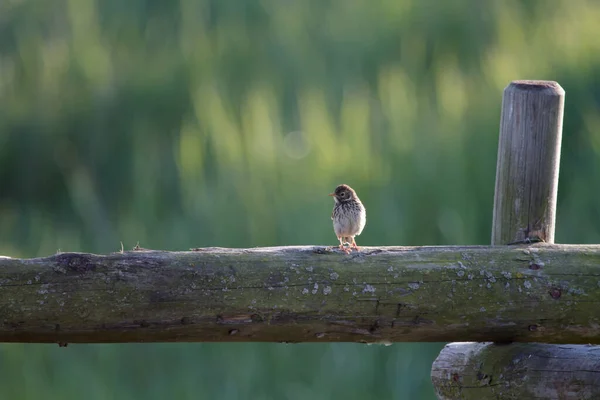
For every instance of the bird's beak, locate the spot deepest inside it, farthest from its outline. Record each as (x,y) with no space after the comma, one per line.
(331,194)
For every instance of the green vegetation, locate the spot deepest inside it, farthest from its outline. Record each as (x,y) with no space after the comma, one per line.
(225,123)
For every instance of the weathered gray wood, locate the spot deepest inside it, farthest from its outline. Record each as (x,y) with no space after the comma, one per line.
(519,371)
(544,293)
(524,209)
(528,161)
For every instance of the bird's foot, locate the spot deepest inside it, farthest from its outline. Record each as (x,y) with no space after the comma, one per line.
(344,249)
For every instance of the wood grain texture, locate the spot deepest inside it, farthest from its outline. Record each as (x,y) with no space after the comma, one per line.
(528,162)
(543,293)
(524,208)
(480,371)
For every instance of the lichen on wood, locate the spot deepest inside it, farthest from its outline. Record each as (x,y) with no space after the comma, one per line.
(542,293)
(481,371)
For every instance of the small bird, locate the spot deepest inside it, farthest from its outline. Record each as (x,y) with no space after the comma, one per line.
(349,216)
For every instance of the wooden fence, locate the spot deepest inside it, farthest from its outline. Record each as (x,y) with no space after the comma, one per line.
(521,289)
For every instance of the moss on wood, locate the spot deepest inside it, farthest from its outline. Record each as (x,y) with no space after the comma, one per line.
(541,293)
(481,371)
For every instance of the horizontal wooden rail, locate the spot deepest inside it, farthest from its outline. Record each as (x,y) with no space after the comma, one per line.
(475,371)
(542,293)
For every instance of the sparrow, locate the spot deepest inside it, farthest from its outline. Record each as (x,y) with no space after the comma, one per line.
(349,216)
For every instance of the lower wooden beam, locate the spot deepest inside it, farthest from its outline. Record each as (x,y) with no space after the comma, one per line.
(482,371)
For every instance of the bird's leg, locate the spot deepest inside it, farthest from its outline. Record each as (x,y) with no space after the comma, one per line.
(342,247)
(354,245)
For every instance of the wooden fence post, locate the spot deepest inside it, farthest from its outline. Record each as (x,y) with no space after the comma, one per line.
(528,162)
(524,212)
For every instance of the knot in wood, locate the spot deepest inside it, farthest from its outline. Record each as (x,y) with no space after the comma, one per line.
(555,293)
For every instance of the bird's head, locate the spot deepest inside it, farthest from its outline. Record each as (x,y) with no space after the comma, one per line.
(343,193)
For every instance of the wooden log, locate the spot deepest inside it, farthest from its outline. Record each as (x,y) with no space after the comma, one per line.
(306,294)
(519,371)
(524,210)
(528,162)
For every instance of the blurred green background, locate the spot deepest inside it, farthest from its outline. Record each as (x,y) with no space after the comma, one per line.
(194,123)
